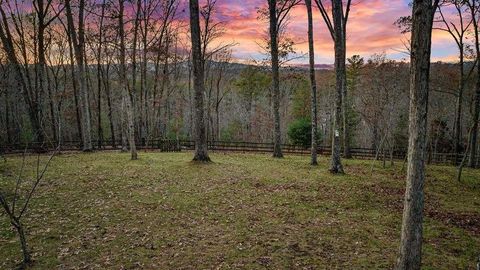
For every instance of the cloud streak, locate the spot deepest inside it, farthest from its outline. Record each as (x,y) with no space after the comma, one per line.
(370,30)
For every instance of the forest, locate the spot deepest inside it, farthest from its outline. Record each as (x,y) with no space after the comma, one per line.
(262,151)
(54,96)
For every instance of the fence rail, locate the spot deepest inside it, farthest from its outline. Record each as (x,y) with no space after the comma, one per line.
(259,147)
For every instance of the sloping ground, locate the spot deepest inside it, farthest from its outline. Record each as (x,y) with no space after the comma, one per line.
(244,211)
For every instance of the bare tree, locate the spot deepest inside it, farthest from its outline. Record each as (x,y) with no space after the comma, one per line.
(457,28)
(77,35)
(127,100)
(75,86)
(31,93)
(278,11)
(100,72)
(216,90)
(155,24)
(410,252)
(215,58)
(473,7)
(43,10)
(15,207)
(201,152)
(313,83)
(337,26)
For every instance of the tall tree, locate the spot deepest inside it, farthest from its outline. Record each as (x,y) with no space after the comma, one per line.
(133,87)
(31,94)
(71,59)
(278,11)
(77,36)
(100,75)
(337,26)
(313,83)
(201,153)
(127,100)
(42,11)
(213,57)
(354,67)
(410,251)
(457,28)
(473,6)
(156,17)
(277,136)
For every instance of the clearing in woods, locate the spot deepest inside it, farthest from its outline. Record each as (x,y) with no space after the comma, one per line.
(244,211)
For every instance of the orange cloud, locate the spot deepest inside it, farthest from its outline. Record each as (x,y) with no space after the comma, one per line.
(370,30)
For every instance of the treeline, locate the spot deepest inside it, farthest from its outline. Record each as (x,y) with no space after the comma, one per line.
(238,102)
(74,64)
(99,71)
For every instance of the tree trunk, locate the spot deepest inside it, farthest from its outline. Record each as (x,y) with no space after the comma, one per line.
(23,242)
(143,83)
(162,125)
(133,90)
(99,112)
(123,125)
(345,103)
(85,108)
(277,135)
(75,92)
(476,110)
(313,84)
(52,111)
(34,109)
(124,85)
(474,137)
(78,46)
(7,118)
(411,237)
(201,153)
(41,65)
(336,163)
(90,96)
(217,121)
(99,79)
(458,112)
(110,109)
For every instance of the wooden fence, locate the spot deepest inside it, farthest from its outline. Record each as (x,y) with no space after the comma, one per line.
(164,145)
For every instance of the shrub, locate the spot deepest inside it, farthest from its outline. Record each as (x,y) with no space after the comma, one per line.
(300,132)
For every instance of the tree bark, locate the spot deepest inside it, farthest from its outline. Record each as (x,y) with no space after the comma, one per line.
(78,46)
(124,84)
(277,135)
(27,259)
(476,111)
(133,91)
(75,91)
(99,78)
(313,83)
(109,104)
(201,153)
(345,104)
(40,39)
(143,79)
(411,237)
(337,10)
(7,118)
(458,112)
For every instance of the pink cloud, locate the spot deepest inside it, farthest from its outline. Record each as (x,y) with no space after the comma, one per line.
(371,29)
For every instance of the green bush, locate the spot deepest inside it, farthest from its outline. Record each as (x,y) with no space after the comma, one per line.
(300,132)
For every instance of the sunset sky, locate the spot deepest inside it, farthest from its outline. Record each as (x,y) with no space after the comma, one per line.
(370,30)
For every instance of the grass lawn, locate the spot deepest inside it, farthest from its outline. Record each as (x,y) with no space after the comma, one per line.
(244,211)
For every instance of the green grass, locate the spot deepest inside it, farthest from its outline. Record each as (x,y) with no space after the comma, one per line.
(244,211)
